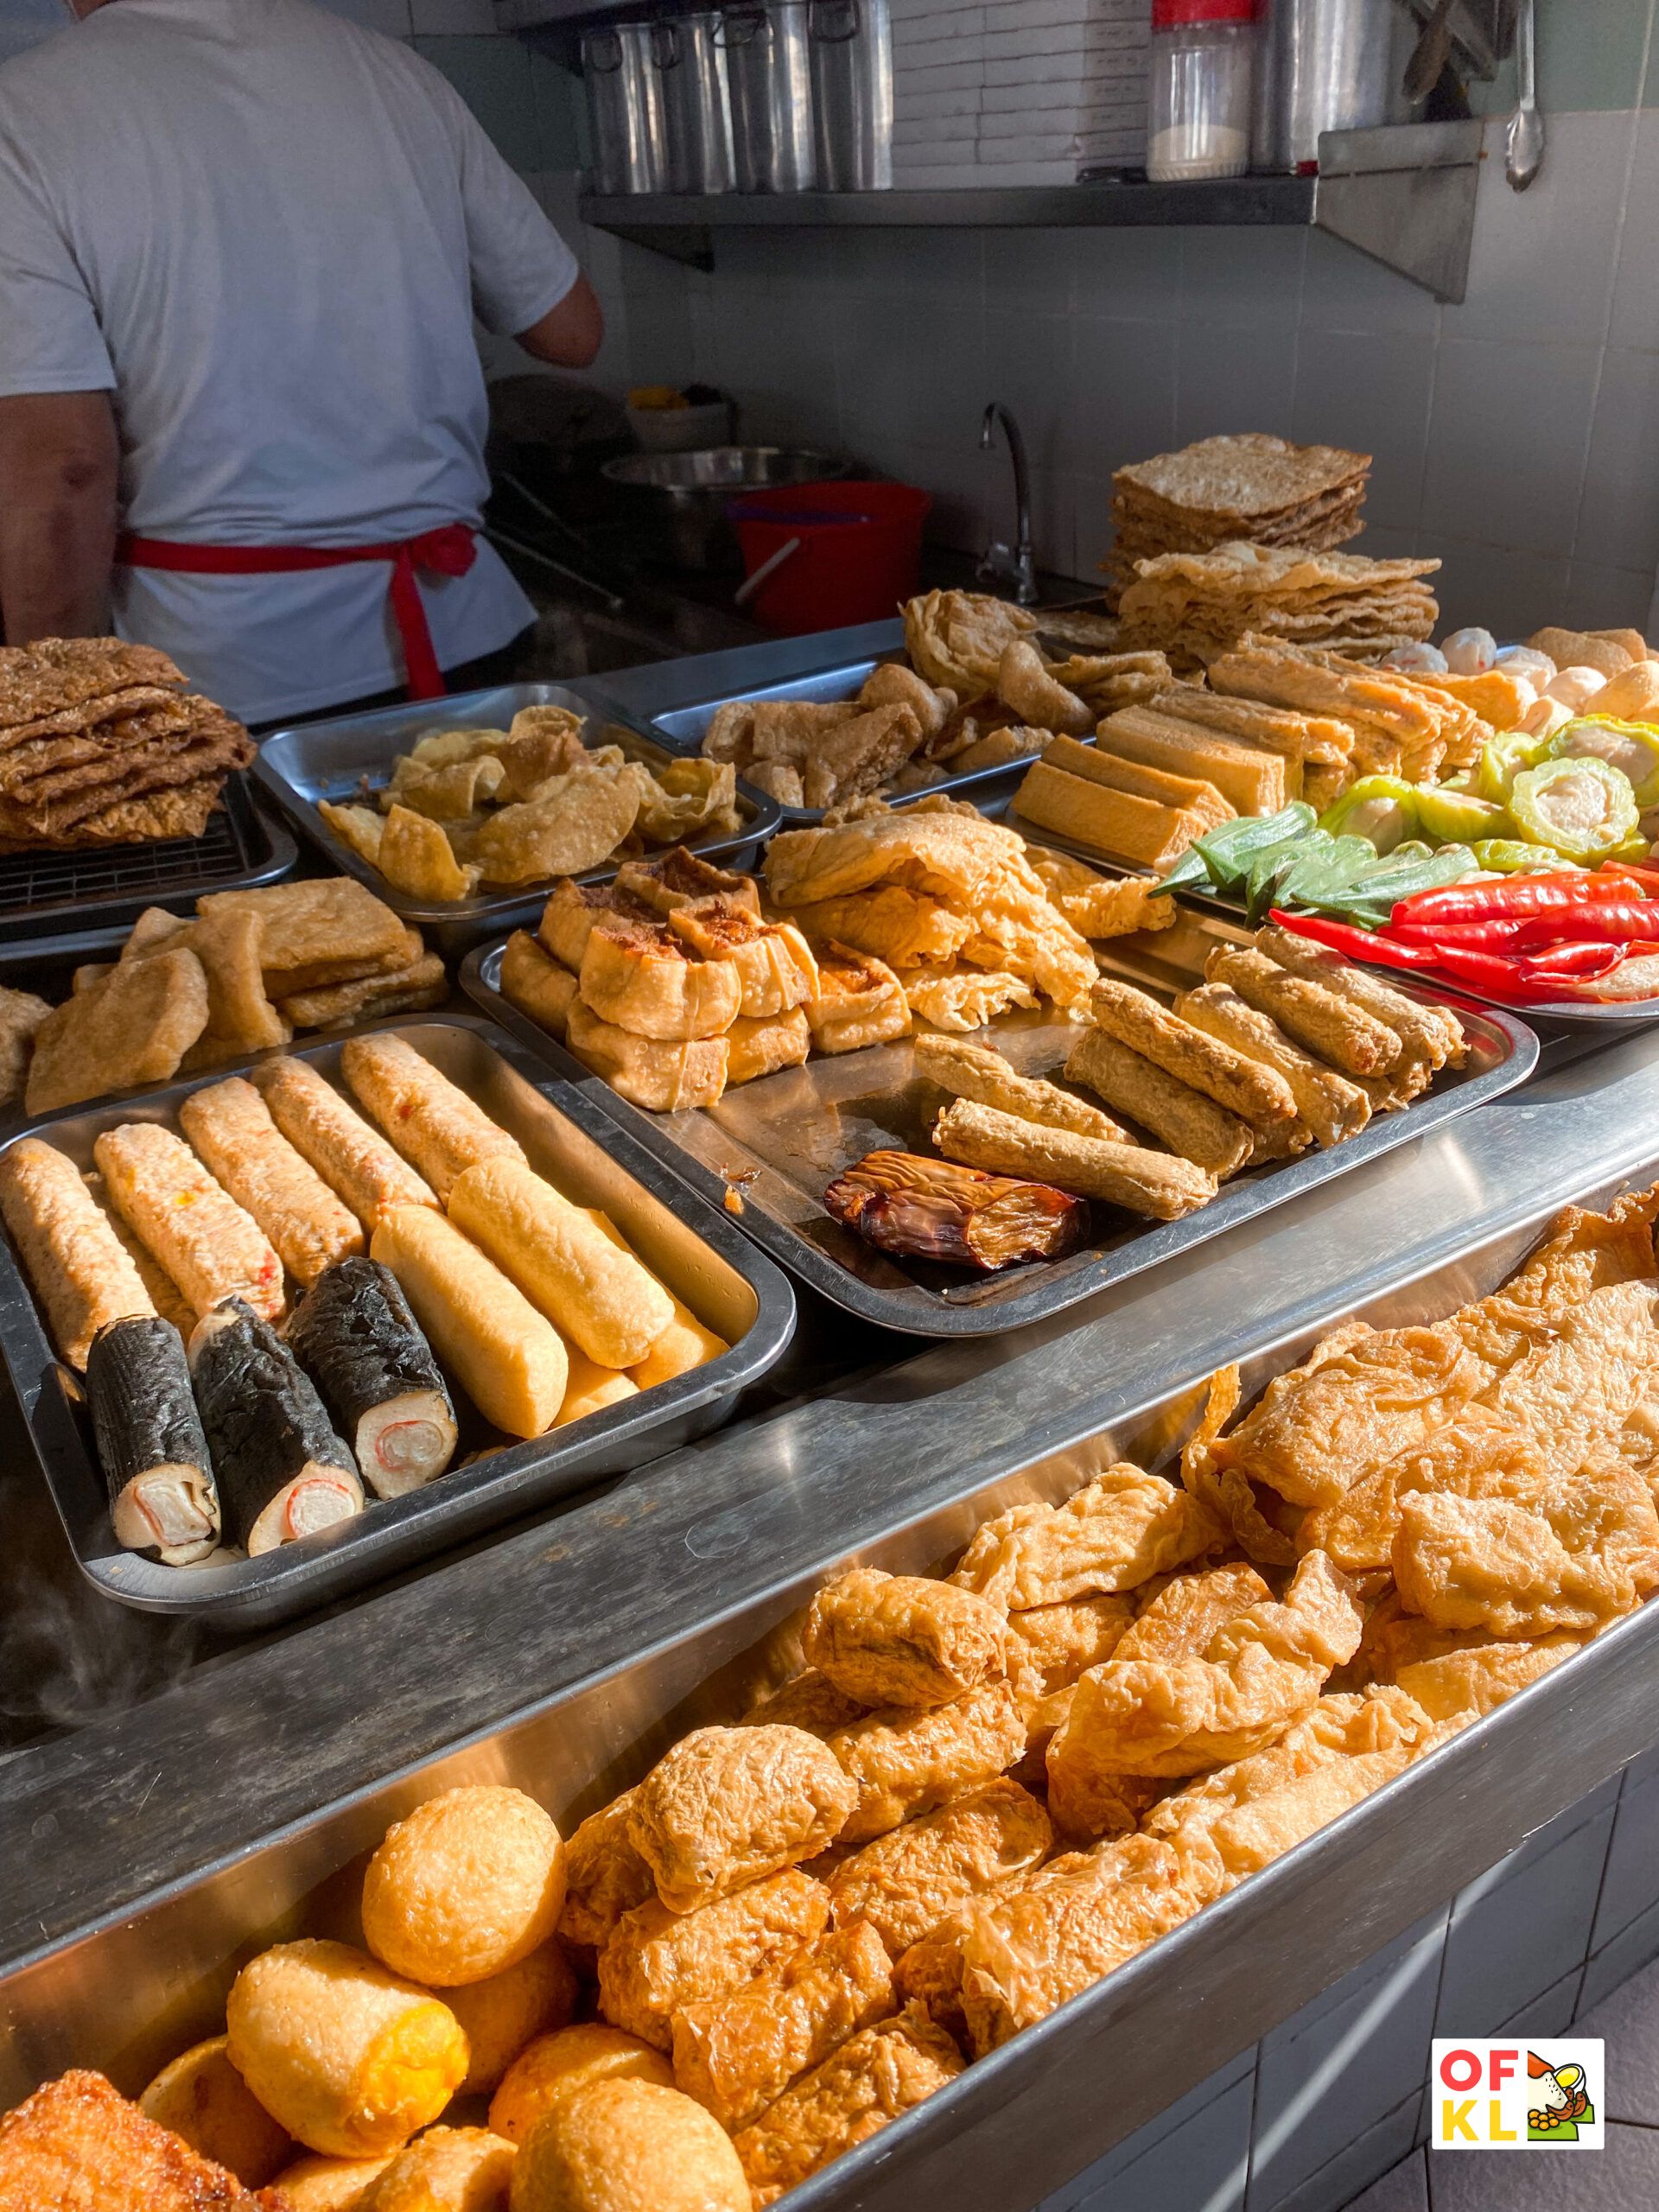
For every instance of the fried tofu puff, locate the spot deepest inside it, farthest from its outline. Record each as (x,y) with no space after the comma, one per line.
(906,1881)
(350,2059)
(629,2146)
(314,2184)
(447,2170)
(556,2066)
(906,1763)
(1115,1534)
(469,1884)
(902,1639)
(501,2015)
(605,1876)
(728,1805)
(658,1960)
(203,2099)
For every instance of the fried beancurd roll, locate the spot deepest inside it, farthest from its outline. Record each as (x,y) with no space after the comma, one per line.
(231,1128)
(1130,1176)
(1184,1119)
(347,2057)
(202,2098)
(596,1293)
(352,1158)
(559,2065)
(1431,1033)
(511,1359)
(1340,1032)
(73,1259)
(430,1120)
(1332,1108)
(212,1248)
(1255,1094)
(902,1639)
(629,2146)
(985,1079)
(657,1962)
(727,1805)
(469,1884)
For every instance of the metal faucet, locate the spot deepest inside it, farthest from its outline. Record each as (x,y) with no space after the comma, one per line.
(1016,564)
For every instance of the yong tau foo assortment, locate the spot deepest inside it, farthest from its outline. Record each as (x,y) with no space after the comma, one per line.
(271,1307)
(466,810)
(987,1789)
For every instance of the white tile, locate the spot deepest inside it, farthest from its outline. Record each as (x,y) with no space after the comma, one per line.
(916,270)
(1228,380)
(1372,392)
(1635,287)
(924,394)
(1120,401)
(1345,290)
(1599,598)
(1028,272)
(1507,593)
(1508,441)
(1623,2178)
(1243,279)
(454,17)
(1514,1934)
(1619,517)
(1131,276)
(1028,368)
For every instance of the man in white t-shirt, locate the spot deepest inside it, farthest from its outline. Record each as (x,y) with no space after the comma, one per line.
(242,414)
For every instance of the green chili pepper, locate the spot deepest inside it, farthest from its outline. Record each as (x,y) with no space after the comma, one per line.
(1579,807)
(1509,856)
(1223,857)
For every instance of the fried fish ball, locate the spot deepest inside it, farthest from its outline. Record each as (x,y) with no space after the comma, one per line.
(906,1881)
(447,2170)
(203,2099)
(1115,1534)
(659,1961)
(556,2066)
(314,2184)
(880,2074)
(901,1639)
(727,1805)
(472,1882)
(605,1876)
(906,1763)
(501,2015)
(629,2146)
(350,2059)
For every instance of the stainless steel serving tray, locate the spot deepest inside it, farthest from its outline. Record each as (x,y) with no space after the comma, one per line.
(684,1608)
(329,760)
(777,1142)
(694,1248)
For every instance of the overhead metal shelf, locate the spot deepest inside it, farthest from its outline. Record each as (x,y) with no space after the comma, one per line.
(1404,194)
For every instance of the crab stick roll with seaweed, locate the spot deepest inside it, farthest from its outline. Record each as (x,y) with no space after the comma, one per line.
(348,2057)
(354,1335)
(430,1120)
(282,1473)
(151,1442)
(508,1358)
(210,1246)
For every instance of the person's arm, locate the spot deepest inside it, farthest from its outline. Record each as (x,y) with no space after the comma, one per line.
(58,466)
(570,335)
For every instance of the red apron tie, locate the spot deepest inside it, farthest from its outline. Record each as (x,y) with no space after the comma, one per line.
(449,551)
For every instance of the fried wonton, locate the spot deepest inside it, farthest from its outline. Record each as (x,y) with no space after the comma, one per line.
(416,858)
(574,822)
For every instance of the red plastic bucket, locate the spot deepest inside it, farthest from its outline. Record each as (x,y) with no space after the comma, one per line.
(861,545)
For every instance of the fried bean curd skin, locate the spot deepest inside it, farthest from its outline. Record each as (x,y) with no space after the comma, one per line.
(1254,1093)
(1464,1685)
(976,1073)
(604,1875)
(659,1961)
(1112,1535)
(736,2055)
(1342,1034)
(906,1881)
(1050,1646)
(728,1805)
(1258,1671)
(1332,1108)
(902,1639)
(556,2066)
(502,2014)
(628,2146)
(1025,1955)
(472,1882)
(810,1701)
(881,2073)
(1225,1490)
(907,1762)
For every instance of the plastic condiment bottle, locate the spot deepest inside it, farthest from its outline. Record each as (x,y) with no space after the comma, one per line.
(1199,89)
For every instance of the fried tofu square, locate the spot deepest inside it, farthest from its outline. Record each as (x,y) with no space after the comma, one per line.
(537,984)
(318,931)
(859,1001)
(367,998)
(131,1027)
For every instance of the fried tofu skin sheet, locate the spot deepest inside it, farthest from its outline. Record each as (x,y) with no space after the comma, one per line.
(1576,1554)
(1050,1646)
(810,1701)
(604,1875)
(728,1805)
(902,1639)
(906,1881)
(1210,1688)
(657,1962)
(906,1761)
(1114,1533)
(78,2146)
(881,2073)
(1025,1955)
(737,2054)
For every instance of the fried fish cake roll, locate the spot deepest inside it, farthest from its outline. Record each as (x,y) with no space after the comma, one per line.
(659,1962)
(203,2099)
(210,1246)
(684,1343)
(906,1881)
(1332,1108)
(1340,1032)
(902,1639)
(74,1261)
(985,1079)
(510,1360)
(590,1387)
(349,2058)
(352,1158)
(905,1762)
(1184,1119)
(628,2146)
(430,1120)
(1131,1176)
(1432,1033)
(558,2065)
(1255,1094)
(231,1128)
(737,2054)
(150,1443)
(356,1338)
(728,1805)
(472,1882)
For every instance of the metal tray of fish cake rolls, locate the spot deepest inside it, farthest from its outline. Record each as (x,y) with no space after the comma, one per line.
(694,1248)
(334,760)
(771,1146)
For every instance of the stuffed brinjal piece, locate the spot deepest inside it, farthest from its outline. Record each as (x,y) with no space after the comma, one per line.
(282,1471)
(155,1455)
(355,1337)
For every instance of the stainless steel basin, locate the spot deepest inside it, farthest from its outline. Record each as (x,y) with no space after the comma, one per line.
(683,497)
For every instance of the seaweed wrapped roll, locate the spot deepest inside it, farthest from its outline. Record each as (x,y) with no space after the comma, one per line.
(155,1455)
(282,1471)
(355,1337)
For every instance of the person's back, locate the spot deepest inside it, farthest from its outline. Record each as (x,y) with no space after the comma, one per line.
(276,227)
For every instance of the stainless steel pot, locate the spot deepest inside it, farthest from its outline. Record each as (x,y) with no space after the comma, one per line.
(1323,65)
(852,93)
(769,74)
(690,65)
(683,497)
(625,109)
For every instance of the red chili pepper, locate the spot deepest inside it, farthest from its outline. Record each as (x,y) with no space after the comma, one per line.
(1577,960)
(1356,943)
(1491,972)
(1647,878)
(1480,937)
(1605,923)
(1513,899)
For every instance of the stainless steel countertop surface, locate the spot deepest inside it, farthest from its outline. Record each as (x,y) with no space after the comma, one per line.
(254,1742)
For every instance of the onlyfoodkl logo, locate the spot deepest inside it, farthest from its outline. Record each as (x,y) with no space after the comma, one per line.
(1508,2096)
